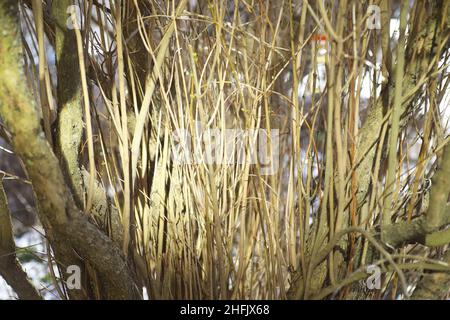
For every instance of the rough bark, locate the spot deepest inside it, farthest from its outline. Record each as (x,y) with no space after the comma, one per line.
(426,228)
(69,96)
(59,214)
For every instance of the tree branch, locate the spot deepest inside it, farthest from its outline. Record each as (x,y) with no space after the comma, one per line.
(424,229)
(10,268)
(69,96)
(58,211)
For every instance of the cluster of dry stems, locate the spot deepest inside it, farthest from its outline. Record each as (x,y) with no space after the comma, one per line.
(94,125)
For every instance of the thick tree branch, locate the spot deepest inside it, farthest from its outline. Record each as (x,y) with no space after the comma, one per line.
(425,229)
(417,64)
(69,96)
(438,212)
(58,211)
